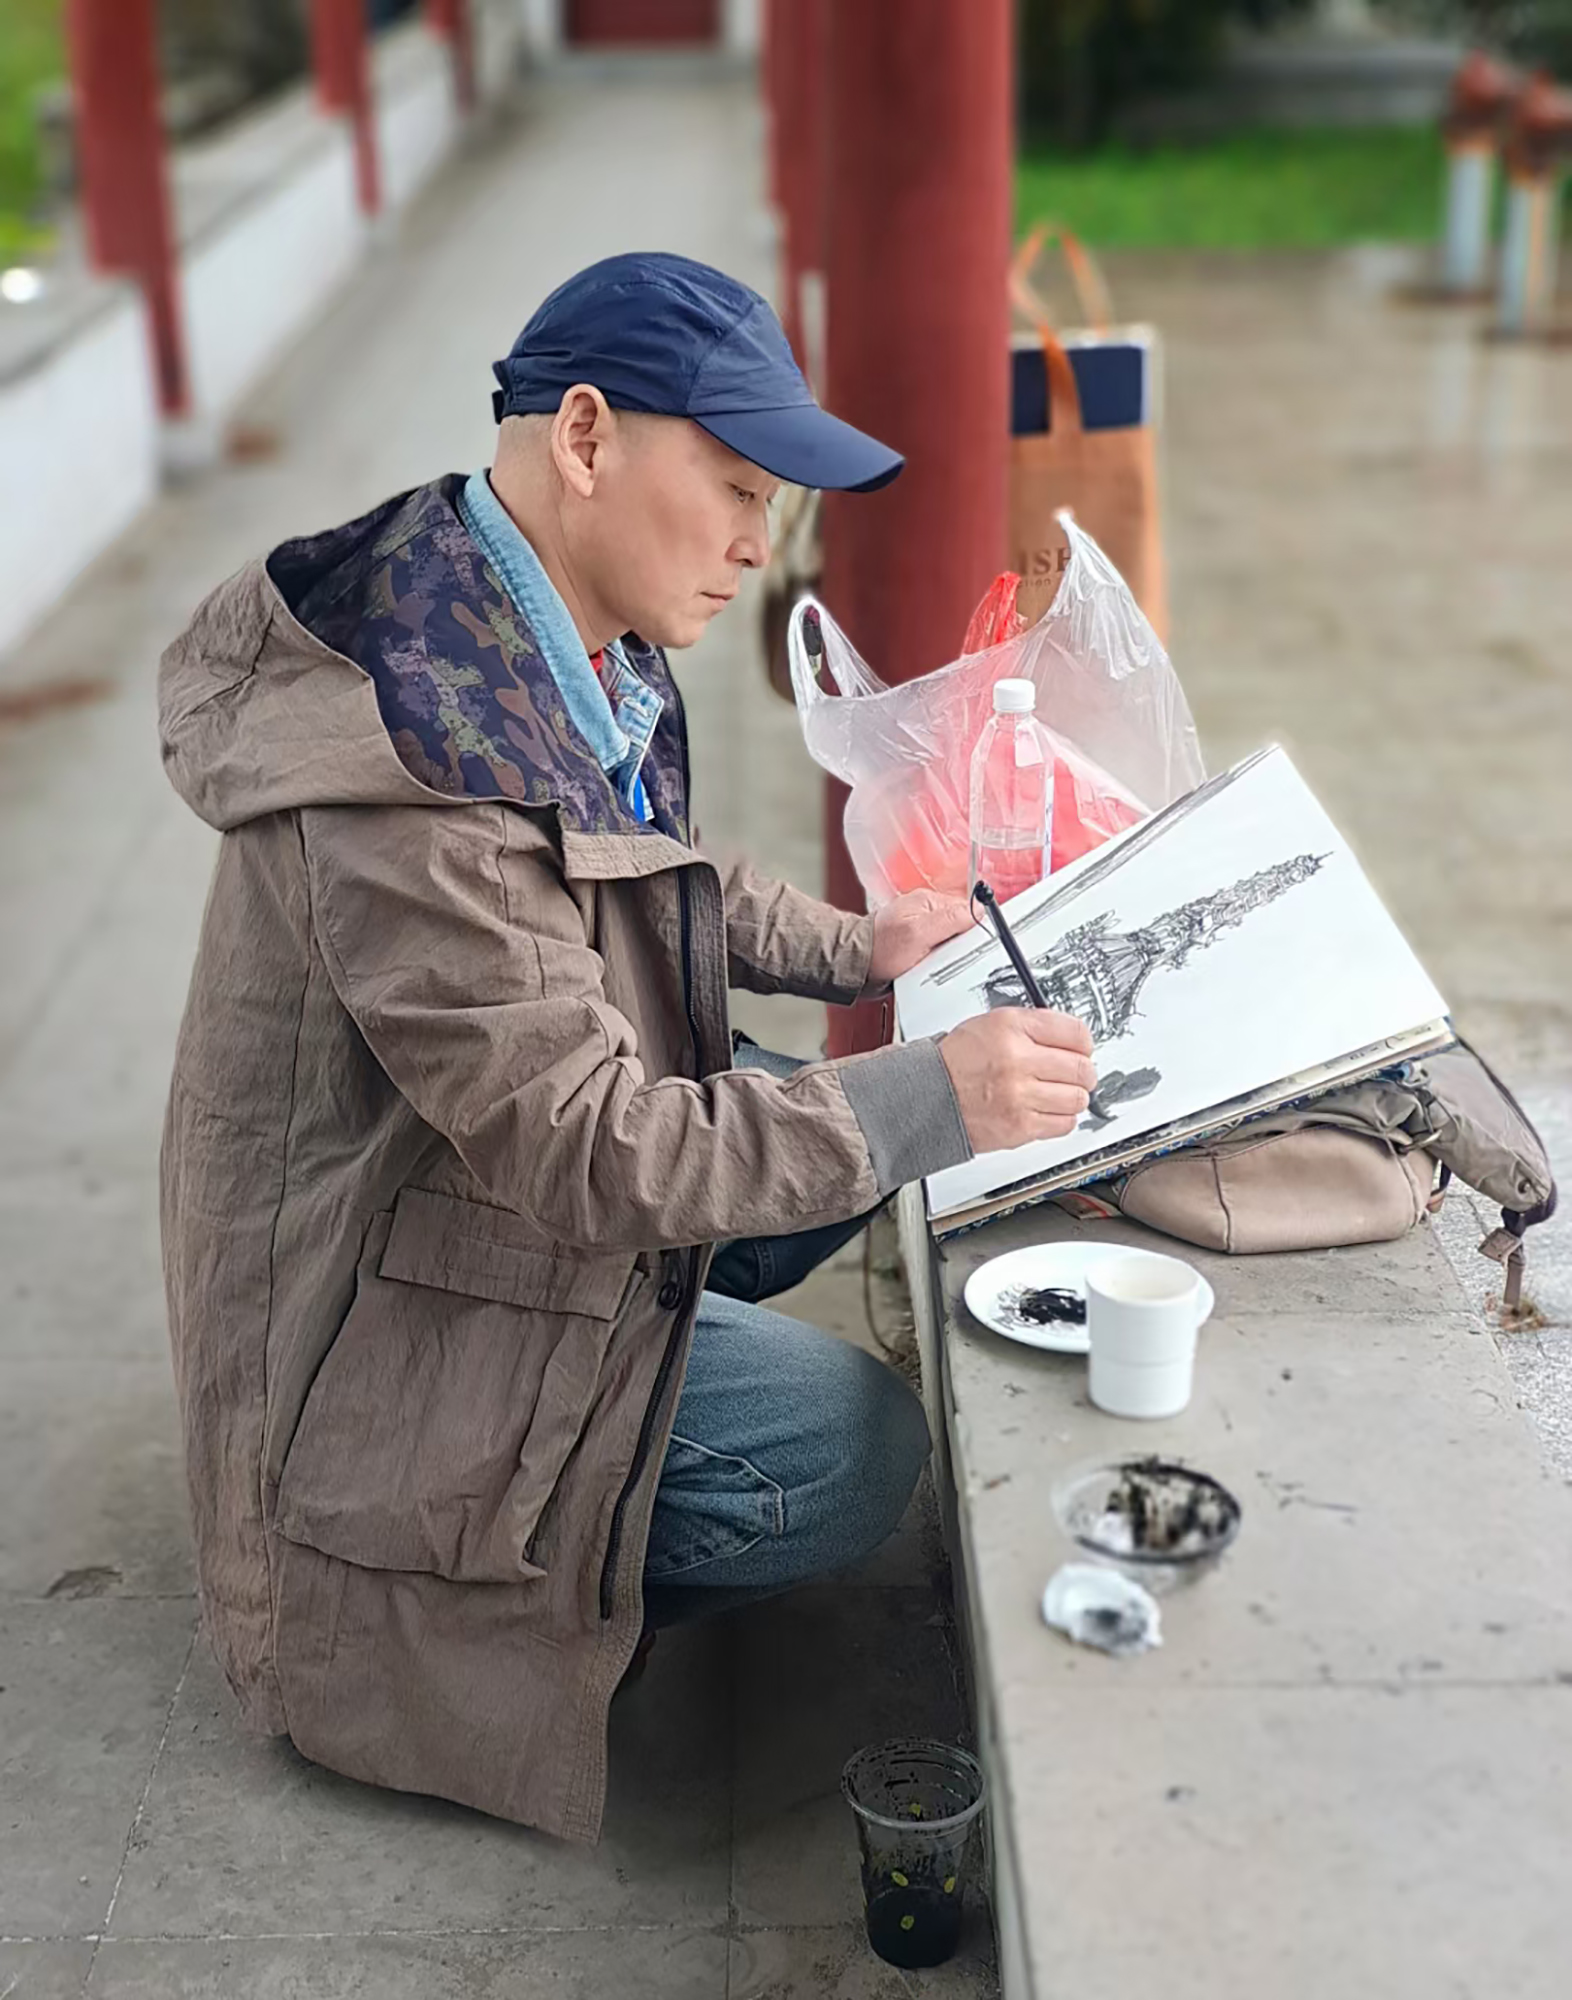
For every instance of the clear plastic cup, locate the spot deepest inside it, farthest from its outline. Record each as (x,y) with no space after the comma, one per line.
(916,1804)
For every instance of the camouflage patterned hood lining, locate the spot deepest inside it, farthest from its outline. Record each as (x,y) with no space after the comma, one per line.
(466,696)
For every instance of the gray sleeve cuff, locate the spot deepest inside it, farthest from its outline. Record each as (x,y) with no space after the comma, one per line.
(905,1103)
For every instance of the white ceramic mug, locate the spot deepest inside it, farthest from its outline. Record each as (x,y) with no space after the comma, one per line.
(1142,1317)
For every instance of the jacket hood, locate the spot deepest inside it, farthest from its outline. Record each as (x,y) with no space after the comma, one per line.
(382,663)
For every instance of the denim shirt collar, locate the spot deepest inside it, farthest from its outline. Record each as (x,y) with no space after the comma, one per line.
(616,720)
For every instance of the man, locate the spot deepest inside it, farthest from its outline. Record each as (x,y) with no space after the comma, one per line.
(455,1119)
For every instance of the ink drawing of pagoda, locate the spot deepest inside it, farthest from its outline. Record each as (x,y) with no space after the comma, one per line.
(1098,973)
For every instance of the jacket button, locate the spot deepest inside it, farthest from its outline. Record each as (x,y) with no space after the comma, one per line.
(669,1297)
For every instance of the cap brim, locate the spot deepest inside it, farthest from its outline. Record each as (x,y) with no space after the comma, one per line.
(807,446)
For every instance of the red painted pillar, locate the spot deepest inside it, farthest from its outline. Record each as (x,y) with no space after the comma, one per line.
(341,58)
(453,22)
(796,39)
(771,45)
(125,191)
(920,147)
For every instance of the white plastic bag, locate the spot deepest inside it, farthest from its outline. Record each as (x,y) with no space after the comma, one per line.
(1107,693)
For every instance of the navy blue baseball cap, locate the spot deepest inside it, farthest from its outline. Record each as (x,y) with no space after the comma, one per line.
(674,338)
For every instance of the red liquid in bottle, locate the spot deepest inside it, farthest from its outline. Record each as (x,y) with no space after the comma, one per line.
(1011,794)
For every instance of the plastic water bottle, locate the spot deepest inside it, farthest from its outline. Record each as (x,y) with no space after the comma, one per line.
(1012,793)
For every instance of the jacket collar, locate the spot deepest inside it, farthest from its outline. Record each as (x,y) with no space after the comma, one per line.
(619,750)
(461,678)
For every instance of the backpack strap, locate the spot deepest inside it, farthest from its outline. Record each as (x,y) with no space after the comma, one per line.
(1506,1245)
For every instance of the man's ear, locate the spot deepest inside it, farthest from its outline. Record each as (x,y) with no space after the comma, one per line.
(578,437)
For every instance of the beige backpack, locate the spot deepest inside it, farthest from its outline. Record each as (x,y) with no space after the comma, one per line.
(1358,1165)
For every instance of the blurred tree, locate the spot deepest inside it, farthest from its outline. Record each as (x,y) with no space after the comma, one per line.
(1082,61)
(32,59)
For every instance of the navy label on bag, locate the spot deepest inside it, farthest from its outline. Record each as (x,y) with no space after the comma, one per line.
(1112,377)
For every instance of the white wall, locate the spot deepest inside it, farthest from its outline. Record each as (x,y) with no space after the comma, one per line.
(417,113)
(501,35)
(542,24)
(267,272)
(270,229)
(78,456)
(742,26)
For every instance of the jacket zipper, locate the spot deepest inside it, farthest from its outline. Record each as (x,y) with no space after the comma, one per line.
(685,921)
(684,907)
(679,1271)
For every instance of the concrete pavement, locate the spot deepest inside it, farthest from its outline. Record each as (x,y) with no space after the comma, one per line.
(1369,516)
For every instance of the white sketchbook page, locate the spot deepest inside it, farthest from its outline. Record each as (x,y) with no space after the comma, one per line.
(1312,968)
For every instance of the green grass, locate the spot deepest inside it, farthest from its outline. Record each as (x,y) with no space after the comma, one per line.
(1256,190)
(31,55)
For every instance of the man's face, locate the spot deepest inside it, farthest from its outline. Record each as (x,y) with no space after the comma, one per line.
(674,519)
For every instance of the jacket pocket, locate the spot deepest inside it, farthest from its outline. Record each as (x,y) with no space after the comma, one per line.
(457,1388)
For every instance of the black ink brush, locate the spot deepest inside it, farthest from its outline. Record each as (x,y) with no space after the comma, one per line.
(1001,928)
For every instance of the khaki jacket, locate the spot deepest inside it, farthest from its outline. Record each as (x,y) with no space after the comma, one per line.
(452,1126)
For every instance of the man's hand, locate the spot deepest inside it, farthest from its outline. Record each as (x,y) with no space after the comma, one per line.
(1020,1073)
(907,929)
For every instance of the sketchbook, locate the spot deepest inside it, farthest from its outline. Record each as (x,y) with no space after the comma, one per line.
(1228,955)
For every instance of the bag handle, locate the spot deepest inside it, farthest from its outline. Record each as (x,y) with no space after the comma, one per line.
(1064,395)
(1064,392)
(1091,289)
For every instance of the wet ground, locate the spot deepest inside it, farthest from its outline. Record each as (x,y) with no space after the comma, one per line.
(1369,510)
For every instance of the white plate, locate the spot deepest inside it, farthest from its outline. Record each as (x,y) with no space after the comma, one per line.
(992,1286)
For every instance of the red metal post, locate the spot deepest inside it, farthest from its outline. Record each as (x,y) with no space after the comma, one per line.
(125,191)
(920,149)
(341,58)
(772,43)
(453,22)
(796,38)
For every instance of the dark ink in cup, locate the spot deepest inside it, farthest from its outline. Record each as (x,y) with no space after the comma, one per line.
(916,1804)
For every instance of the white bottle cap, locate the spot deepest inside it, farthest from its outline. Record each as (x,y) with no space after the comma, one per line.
(1014,697)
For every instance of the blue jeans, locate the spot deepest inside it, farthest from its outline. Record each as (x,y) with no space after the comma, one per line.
(792,1453)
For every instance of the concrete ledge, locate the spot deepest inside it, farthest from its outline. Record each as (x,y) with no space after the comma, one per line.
(1339,1776)
(78,395)
(417,116)
(263,268)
